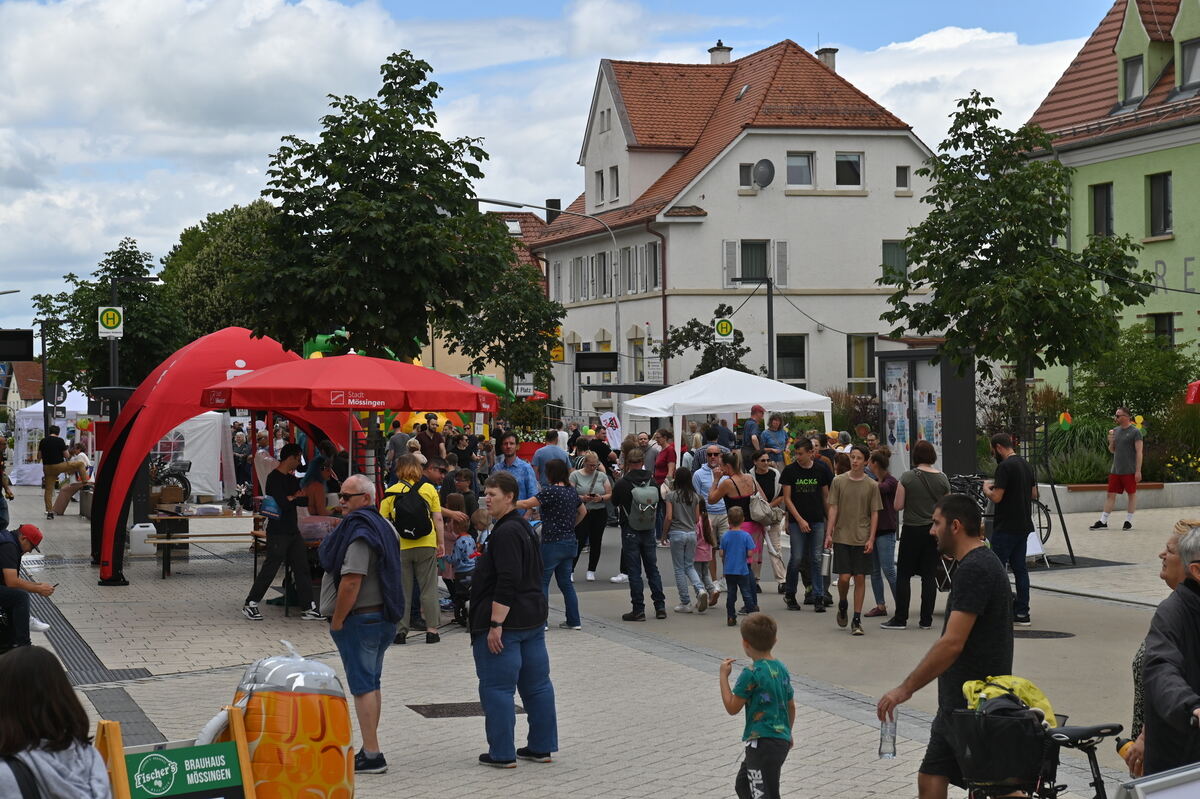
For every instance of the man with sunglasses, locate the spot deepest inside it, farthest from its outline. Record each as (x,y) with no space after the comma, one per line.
(1125,444)
(702,482)
(361,595)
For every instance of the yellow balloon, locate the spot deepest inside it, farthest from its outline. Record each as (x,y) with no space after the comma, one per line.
(317,354)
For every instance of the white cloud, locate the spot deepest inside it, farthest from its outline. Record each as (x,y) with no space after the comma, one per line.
(919,80)
(138,117)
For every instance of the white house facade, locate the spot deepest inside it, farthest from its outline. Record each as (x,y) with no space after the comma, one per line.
(670,159)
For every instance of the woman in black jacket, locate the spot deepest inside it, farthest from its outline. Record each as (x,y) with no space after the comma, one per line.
(508,618)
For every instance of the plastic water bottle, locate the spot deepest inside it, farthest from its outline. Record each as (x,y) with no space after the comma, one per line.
(887,740)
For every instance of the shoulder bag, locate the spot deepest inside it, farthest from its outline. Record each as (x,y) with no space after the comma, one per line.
(23,775)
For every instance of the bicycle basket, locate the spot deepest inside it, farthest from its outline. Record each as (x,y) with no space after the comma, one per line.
(994,749)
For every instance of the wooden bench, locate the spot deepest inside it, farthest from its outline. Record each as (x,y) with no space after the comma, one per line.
(165,541)
(1073,487)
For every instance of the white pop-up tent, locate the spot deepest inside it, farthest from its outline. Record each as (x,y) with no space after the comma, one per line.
(24,468)
(728,391)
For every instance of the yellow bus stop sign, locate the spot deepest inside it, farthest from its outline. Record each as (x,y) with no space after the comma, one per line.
(723,328)
(111,321)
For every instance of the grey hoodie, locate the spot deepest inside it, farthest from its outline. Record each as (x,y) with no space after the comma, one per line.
(74,773)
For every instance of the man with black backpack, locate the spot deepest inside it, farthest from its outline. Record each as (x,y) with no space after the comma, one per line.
(636,499)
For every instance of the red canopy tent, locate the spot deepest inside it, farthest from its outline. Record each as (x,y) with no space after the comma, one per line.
(168,396)
(349,382)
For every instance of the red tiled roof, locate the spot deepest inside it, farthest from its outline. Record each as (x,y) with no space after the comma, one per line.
(1158,16)
(784,86)
(532,226)
(1080,105)
(27,379)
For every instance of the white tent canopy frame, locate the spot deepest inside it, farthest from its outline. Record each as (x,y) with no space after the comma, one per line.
(727,391)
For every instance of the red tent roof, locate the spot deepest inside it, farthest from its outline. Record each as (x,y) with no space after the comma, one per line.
(348,382)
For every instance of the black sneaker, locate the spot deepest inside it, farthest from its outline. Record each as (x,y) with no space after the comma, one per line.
(486,760)
(894,624)
(731,622)
(250,611)
(1127,526)
(843,618)
(370,765)
(1022,621)
(401,639)
(634,615)
(744,611)
(432,638)
(660,613)
(808,598)
(312,614)
(791,604)
(926,625)
(780,587)
(525,753)
(828,600)
(856,628)
(820,608)
(1099,526)
(49,514)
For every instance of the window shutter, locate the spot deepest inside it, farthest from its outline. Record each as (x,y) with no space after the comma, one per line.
(729,262)
(781,263)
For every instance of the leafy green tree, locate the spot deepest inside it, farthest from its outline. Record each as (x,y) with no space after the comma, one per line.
(1139,373)
(987,273)
(378,230)
(153,322)
(699,336)
(515,329)
(202,269)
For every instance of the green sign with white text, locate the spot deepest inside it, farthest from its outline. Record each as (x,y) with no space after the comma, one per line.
(189,772)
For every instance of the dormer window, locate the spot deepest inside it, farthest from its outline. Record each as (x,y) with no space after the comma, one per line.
(1189,56)
(514,227)
(1135,80)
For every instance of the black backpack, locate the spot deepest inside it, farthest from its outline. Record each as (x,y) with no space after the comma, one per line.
(410,513)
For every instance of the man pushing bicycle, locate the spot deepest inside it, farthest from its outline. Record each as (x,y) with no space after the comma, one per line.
(976,641)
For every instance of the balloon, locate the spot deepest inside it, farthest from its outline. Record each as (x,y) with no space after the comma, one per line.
(1137,421)
(83,423)
(317,354)
(1064,420)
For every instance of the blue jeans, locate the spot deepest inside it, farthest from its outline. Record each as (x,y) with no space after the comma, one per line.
(524,666)
(884,558)
(361,642)
(808,545)
(683,558)
(744,583)
(659,517)
(558,559)
(638,550)
(1010,548)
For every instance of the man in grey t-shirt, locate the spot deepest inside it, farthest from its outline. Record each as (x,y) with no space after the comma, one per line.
(1125,443)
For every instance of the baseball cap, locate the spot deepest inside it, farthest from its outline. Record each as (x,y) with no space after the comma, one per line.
(431,416)
(757,409)
(32,533)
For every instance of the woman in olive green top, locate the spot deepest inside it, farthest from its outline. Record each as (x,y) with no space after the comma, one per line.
(919,490)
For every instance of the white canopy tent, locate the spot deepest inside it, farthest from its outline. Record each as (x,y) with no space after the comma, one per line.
(27,432)
(727,391)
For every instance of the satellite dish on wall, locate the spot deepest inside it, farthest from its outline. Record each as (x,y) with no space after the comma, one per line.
(763,173)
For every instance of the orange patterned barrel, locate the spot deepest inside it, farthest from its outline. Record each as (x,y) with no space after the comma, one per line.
(298,730)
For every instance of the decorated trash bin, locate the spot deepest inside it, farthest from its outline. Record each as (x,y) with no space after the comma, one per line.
(297,728)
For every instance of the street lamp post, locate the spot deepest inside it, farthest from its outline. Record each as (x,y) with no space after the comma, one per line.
(113,362)
(41,323)
(770,318)
(614,272)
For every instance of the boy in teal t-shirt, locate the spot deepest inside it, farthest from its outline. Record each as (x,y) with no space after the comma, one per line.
(765,691)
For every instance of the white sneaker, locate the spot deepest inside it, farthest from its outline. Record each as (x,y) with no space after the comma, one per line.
(312,614)
(721,587)
(591,577)
(683,608)
(620,578)
(36,625)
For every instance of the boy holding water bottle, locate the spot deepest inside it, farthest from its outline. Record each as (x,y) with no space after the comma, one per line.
(764,690)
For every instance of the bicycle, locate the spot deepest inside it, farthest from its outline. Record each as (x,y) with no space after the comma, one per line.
(972,486)
(1041,781)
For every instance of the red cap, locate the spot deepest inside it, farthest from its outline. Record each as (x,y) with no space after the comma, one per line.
(32,533)
(757,409)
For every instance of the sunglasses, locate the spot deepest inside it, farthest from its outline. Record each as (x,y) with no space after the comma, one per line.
(347,497)
(714,454)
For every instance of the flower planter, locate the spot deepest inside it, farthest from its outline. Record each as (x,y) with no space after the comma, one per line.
(1089,497)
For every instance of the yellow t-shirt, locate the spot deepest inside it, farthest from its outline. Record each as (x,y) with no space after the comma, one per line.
(430,495)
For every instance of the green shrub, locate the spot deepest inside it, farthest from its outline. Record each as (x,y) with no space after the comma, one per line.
(1080,466)
(1182,468)
(1085,433)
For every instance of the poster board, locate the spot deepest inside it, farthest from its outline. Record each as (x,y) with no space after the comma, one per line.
(178,769)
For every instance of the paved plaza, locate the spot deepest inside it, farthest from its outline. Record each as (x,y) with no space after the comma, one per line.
(638,705)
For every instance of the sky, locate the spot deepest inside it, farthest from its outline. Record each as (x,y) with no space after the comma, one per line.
(139,117)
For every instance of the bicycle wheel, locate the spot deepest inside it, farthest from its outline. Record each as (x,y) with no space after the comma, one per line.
(1042,520)
(179,480)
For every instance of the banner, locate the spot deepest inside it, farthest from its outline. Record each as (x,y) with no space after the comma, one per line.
(612,429)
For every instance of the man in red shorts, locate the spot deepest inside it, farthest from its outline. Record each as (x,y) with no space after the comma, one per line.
(1125,443)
